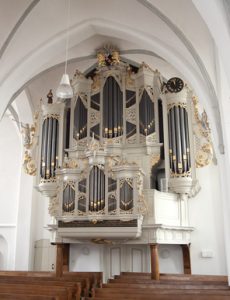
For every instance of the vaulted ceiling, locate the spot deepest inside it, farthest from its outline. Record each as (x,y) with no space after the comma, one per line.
(172,36)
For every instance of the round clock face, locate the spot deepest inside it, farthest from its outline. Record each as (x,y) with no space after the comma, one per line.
(175,85)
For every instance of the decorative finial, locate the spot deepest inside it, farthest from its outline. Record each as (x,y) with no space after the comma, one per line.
(50,97)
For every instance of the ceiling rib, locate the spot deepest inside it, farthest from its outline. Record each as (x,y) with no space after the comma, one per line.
(17,25)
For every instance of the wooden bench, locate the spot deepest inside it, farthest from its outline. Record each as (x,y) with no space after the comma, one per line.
(23,297)
(170,280)
(87,280)
(164,297)
(188,277)
(96,278)
(138,286)
(76,287)
(57,292)
(81,282)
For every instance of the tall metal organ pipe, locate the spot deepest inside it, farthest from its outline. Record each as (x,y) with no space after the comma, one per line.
(49,147)
(113,109)
(96,189)
(178,135)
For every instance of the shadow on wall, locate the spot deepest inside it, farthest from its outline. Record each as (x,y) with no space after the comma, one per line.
(3,253)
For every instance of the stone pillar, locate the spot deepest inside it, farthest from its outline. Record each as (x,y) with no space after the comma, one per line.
(186,258)
(155,273)
(62,259)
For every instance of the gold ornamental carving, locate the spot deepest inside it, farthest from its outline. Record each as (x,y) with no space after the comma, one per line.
(155,159)
(29,165)
(53,206)
(202,132)
(108,56)
(70,163)
(29,141)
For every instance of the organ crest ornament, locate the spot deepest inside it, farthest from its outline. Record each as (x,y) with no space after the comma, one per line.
(108,56)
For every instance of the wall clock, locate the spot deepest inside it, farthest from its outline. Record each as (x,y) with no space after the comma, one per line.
(174,85)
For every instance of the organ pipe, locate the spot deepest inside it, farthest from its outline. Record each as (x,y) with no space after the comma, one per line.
(96,189)
(146,114)
(80,120)
(49,148)
(113,109)
(179,149)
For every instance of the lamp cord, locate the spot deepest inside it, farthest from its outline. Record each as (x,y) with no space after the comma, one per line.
(67,35)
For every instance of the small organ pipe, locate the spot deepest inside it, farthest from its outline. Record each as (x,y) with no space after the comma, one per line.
(53,146)
(48,154)
(187,140)
(99,189)
(43,154)
(170,141)
(173,139)
(178,139)
(183,139)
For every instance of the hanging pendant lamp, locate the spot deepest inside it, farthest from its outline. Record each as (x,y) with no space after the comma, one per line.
(64,90)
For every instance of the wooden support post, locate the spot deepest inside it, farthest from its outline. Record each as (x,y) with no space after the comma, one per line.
(186,258)
(66,258)
(155,273)
(62,259)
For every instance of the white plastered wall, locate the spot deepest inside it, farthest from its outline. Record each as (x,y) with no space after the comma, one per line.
(10,159)
(206,216)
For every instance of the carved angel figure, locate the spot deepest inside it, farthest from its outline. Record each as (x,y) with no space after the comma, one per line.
(27,134)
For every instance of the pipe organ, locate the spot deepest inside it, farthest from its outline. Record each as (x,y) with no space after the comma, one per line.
(101,150)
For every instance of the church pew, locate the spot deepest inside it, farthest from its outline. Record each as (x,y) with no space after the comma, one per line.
(164,297)
(57,292)
(146,291)
(162,281)
(76,287)
(96,278)
(188,277)
(86,283)
(27,297)
(88,280)
(160,285)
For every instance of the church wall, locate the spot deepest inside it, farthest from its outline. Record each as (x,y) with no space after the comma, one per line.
(86,257)
(10,158)
(170,259)
(205,212)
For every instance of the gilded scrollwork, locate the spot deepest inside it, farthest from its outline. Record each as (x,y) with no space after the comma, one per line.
(131,114)
(29,165)
(129,77)
(28,132)
(78,75)
(142,206)
(54,116)
(155,159)
(132,139)
(145,66)
(179,175)
(202,132)
(96,84)
(108,56)
(127,180)
(176,104)
(70,163)
(94,117)
(53,206)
